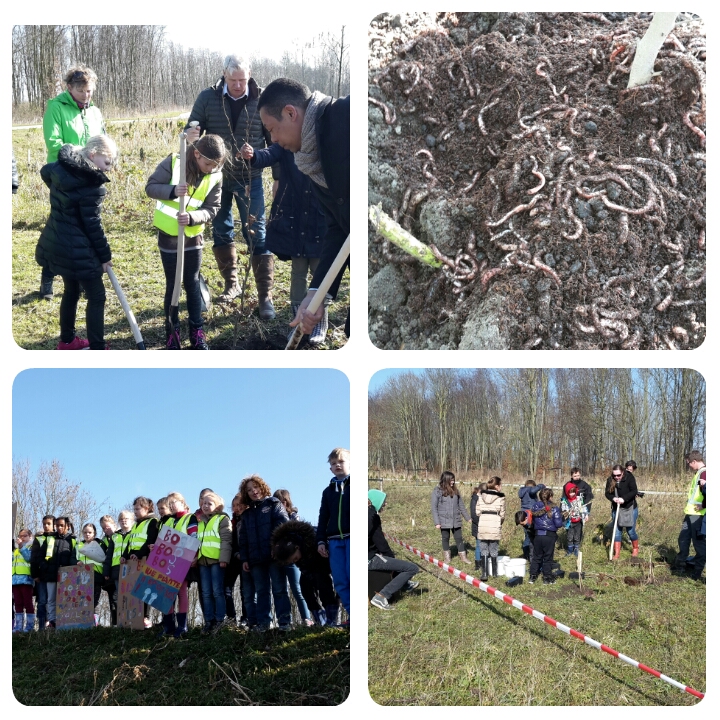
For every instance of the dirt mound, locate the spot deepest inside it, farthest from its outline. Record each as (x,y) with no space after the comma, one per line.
(568,211)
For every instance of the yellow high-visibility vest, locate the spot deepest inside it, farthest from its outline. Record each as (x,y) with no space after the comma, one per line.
(209,537)
(20,566)
(695,496)
(166,211)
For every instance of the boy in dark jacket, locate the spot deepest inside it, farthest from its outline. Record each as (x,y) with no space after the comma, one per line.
(382,558)
(583,488)
(333,531)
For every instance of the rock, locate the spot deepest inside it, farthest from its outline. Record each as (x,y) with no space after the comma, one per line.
(386,290)
(582,208)
(591,127)
(430,141)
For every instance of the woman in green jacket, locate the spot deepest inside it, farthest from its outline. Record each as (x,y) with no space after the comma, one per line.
(70,118)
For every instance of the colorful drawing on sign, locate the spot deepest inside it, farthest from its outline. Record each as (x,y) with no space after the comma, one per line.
(165,569)
(74,598)
(130,609)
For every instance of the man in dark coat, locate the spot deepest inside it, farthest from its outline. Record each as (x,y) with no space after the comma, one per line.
(230,109)
(316,128)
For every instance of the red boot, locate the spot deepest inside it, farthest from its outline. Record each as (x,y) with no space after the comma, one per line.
(618,545)
(635,548)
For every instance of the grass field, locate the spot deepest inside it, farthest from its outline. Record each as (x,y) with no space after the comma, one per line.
(448,643)
(111,666)
(127,219)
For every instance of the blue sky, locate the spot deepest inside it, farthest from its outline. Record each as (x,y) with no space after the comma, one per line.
(123,433)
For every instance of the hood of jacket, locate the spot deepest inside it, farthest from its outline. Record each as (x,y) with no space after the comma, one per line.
(78,171)
(488,497)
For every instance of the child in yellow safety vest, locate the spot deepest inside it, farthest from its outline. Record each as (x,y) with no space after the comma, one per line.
(202,189)
(22,583)
(215,536)
(43,575)
(175,623)
(113,558)
(89,533)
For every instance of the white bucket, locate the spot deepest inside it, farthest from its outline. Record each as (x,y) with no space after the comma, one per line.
(502,559)
(515,567)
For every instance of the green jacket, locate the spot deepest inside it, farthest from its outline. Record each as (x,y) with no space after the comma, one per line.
(64,122)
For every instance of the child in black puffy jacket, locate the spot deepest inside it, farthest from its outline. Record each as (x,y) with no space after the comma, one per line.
(73,243)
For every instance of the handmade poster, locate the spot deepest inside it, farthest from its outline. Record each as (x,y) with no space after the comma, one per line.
(166,568)
(74,599)
(130,609)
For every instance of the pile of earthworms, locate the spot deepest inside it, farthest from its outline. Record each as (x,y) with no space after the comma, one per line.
(581,203)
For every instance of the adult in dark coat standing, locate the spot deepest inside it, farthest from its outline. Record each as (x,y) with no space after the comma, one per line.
(316,128)
(230,109)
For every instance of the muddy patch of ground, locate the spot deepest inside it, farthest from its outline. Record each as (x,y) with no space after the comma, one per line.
(568,211)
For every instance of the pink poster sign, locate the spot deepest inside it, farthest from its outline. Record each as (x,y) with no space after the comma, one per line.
(74,597)
(130,609)
(173,553)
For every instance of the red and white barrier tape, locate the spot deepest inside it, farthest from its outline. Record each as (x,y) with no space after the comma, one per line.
(545,618)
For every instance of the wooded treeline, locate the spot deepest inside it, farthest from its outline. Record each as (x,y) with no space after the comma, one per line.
(532,420)
(139,70)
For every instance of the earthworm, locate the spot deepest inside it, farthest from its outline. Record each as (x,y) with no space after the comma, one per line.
(661,165)
(427,174)
(665,303)
(481,124)
(701,240)
(389,113)
(406,197)
(698,281)
(681,334)
(489,275)
(579,227)
(538,175)
(672,246)
(616,52)
(620,327)
(426,153)
(670,344)
(662,130)
(633,343)
(694,128)
(595,16)
(530,344)
(629,314)
(654,146)
(546,269)
(660,275)
(572,114)
(618,279)
(624,228)
(469,187)
(589,329)
(467,110)
(442,258)
(573,69)
(514,211)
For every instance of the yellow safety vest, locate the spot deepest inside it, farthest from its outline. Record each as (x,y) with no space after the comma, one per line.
(20,566)
(50,546)
(695,497)
(209,537)
(120,541)
(139,534)
(85,560)
(166,211)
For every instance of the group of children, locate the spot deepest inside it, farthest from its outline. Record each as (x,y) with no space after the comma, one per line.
(73,243)
(262,543)
(539,517)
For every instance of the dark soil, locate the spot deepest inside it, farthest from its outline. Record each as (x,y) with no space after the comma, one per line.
(569,211)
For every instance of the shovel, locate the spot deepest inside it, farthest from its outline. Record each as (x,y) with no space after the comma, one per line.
(126,309)
(319,296)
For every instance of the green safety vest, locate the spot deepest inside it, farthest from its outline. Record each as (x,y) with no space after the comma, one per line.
(209,537)
(695,497)
(138,535)
(20,565)
(85,560)
(50,545)
(120,541)
(166,211)
(180,524)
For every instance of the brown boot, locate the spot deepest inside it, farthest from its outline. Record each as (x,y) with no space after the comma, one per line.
(635,549)
(446,556)
(226,258)
(264,270)
(463,556)
(618,545)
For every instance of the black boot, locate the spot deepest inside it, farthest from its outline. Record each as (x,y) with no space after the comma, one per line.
(494,566)
(46,284)
(485,562)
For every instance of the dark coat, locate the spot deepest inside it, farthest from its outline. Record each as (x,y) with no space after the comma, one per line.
(73,242)
(213,111)
(586,491)
(40,568)
(255,529)
(544,521)
(333,500)
(626,489)
(332,128)
(377,544)
(64,553)
(473,514)
(296,227)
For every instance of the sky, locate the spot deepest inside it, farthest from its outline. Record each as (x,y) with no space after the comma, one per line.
(124,433)
(282,34)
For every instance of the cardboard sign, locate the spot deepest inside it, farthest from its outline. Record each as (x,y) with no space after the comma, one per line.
(166,568)
(130,609)
(74,600)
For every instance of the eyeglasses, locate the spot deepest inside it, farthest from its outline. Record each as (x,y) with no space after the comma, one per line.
(616,475)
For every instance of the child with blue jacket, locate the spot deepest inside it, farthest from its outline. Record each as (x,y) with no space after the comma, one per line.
(528,497)
(547,520)
(22,583)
